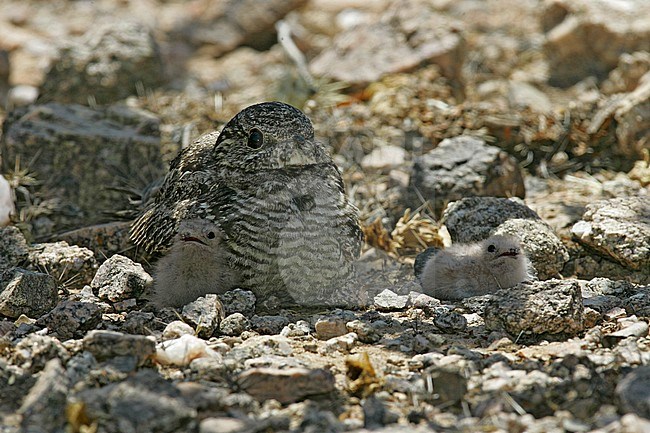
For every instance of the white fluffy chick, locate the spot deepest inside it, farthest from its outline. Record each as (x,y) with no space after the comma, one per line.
(465,270)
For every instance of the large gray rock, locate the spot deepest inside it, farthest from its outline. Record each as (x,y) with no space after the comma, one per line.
(105,65)
(541,308)
(109,344)
(408,34)
(476,218)
(586,37)
(72,266)
(204,314)
(461,167)
(634,392)
(144,402)
(286,385)
(238,301)
(26,292)
(119,278)
(43,408)
(619,229)
(79,154)
(71,319)
(639,302)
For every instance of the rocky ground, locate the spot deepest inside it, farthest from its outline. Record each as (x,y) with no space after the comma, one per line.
(450,121)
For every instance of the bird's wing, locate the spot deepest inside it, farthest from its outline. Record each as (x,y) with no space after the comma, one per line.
(190,175)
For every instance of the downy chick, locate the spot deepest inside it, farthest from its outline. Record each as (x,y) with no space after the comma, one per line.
(195,265)
(465,270)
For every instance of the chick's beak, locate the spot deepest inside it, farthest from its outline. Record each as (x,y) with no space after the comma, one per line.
(192,239)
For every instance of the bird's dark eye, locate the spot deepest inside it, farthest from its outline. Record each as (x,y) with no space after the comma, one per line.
(211,235)
(255,139)
(492,249)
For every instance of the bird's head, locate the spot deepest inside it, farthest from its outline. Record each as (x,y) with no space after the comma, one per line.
(501,249)
(269,136)
(198,232)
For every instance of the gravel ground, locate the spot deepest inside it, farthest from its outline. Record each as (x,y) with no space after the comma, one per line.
(450,122)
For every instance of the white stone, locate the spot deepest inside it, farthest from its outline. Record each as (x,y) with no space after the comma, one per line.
(183,350)
(383,157)
(6,202)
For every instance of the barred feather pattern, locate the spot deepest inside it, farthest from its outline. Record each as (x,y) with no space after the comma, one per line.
(290,233)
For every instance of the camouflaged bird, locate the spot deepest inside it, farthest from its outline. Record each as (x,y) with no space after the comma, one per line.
(290,234)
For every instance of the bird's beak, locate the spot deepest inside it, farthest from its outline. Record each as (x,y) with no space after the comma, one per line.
(301,152)
(192,239)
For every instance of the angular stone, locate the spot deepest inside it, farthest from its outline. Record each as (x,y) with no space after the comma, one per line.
(286,386)
(269,324)
(461,167)
(634,392)
(176,329)
(588,37)
(364,330)
(106,64)
(82,155)
(43,408)
(34,351)
(234,324)
(184,350)
(637,329)
(13,248)
(119,278)
(298,329)
(329,328)
(144,402)
(476,218)
(450,322)
(605,286)
(26,292)
(71,319)
(388,300)
(204,314)
(109,344)
(238,301)
(620,229)
(639,302)
(541,308)
(343,343)
(408,34)
(72,266)
(384,158)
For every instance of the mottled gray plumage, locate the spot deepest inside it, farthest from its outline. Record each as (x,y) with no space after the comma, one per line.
(289,231)
(466,270)
(194,266)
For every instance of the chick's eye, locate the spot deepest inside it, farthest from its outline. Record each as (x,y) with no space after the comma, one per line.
(492,249)
(211,235)
(255,139)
